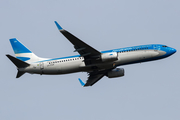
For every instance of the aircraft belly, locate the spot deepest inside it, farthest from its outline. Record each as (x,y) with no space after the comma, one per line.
(128,57)
(98,66)
(60,68)
(49,68)
(161,53)
(69,67)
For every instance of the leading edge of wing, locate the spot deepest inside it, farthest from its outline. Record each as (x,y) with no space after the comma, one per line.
(81,47)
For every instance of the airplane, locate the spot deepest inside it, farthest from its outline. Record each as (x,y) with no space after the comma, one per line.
(97,64)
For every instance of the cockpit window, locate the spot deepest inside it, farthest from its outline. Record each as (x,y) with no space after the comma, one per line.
(164,46)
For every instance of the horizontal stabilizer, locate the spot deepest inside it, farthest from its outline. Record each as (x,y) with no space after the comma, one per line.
(19,74)
(17,62)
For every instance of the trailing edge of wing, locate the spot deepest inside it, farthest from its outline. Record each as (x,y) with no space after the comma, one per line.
(93,79)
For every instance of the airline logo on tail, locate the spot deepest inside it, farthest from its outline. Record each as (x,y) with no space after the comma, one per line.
(22,52)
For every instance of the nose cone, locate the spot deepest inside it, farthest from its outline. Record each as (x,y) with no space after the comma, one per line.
(173,50)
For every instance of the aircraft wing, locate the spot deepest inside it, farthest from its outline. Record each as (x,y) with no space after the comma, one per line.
(81,47)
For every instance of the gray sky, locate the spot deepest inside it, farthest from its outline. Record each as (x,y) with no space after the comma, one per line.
(147,91)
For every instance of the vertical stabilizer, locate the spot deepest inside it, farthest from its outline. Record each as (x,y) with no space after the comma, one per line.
(22,52)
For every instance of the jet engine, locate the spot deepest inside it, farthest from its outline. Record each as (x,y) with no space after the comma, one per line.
(117,72)
(106,57)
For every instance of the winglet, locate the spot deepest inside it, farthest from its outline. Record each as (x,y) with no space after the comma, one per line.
(82,83)
(58,26)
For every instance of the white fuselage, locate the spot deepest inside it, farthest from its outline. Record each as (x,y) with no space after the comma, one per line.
(77,64)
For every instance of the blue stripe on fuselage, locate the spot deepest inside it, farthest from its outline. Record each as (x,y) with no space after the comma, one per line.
(23,58)
(141,47)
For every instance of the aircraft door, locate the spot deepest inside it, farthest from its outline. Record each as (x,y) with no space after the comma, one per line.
(41,65)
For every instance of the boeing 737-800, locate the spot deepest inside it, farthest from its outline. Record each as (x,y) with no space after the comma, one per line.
(97,64)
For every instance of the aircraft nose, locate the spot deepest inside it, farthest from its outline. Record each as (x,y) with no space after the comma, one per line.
(173,50)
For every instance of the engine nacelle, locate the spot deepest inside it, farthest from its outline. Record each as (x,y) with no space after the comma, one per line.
(105,57)
(117,72)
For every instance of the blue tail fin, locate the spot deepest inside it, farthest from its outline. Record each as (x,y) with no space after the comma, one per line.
(18,47)
(22,52)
